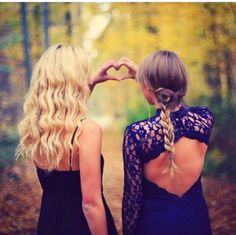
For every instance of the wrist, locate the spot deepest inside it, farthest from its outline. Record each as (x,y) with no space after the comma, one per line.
(91,84)
(92,81)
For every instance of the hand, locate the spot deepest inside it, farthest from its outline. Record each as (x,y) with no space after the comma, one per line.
(101,75)
(130,65)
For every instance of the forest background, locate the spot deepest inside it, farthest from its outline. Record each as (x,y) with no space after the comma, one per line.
(203,34)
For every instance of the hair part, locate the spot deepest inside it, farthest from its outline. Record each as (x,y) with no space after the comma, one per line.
(54,104)
(164,73)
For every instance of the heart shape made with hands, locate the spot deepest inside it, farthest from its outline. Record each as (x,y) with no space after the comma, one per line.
(119,70)
(118,73)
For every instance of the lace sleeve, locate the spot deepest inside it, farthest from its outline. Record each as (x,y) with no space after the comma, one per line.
(198,124)
(133,173)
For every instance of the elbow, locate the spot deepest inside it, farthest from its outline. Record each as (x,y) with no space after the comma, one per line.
(90,206)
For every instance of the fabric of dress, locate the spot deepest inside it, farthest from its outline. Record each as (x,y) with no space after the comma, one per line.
(148,209)
(61,210)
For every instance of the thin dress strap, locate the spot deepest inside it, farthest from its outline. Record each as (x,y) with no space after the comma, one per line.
(72,140)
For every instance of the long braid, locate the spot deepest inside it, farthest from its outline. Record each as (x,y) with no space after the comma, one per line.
(169,136)
(164,74)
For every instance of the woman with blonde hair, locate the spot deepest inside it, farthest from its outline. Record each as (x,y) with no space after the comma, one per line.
(164,155)
(65,146)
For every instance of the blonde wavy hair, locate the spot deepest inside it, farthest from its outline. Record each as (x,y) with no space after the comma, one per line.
(163,72)
(54,105)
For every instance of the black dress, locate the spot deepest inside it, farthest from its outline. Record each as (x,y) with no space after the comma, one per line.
(147,208)
(61,210)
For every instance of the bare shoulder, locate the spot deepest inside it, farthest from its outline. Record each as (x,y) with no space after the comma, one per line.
(90,139)
(91,127)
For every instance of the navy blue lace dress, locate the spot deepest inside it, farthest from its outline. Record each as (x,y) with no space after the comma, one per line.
(61,210)
(148,209)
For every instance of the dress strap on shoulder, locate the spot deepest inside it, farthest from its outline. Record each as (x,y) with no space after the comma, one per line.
(72,140)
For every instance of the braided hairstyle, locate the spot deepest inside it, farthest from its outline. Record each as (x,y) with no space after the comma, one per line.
(163,72)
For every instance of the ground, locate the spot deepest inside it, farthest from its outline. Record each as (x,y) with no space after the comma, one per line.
(21,192)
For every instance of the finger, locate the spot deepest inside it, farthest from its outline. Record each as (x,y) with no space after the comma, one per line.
(122,61)
(109,64)
(125,64)
(107,78)
(128,63)
(104,78)
(125,60)
(127,77)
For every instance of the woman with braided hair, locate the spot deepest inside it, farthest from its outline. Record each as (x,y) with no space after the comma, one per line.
(164,155)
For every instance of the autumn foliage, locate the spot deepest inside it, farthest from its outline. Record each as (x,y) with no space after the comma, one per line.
(203,34)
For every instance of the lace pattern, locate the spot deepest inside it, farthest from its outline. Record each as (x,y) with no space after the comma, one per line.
(143,141)
(132,197)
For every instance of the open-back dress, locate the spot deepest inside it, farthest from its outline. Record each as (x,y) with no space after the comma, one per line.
(147,208)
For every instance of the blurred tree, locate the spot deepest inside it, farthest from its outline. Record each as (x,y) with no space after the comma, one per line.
(4,73)
(45,23)
(68,21)
(8,39)
(25,40)
(219,72)
(36,30)
(4,67)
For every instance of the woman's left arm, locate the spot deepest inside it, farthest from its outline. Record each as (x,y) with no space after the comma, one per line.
(133,192)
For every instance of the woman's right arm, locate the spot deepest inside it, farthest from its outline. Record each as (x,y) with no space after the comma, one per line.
(90,173)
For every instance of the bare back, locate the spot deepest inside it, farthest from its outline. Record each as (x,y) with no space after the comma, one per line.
(189,157)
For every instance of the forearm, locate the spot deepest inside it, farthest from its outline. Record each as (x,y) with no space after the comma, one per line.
(96,218)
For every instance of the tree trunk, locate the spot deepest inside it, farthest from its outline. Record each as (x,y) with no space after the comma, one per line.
(25,41)
(45,23)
